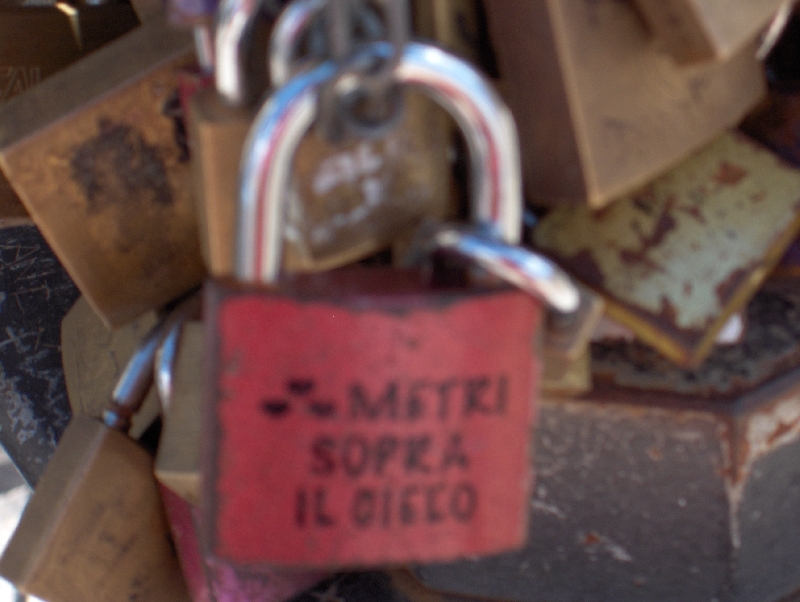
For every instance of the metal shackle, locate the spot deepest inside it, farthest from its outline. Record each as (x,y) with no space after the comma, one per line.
(131,390)
(459,88)
(235,22)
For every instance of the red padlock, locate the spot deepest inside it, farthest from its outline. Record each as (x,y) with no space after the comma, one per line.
(208,579)
(361,417)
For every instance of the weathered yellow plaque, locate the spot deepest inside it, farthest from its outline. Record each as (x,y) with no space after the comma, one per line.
(677,258)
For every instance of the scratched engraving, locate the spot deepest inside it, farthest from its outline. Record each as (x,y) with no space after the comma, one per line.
(684,246)
(17,78)
(37,292)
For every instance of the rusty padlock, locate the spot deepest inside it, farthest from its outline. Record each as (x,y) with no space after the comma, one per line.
(349,199)
(380,452)
(95,529)
(704,30)
(601,111)
(109,186)
(677,258)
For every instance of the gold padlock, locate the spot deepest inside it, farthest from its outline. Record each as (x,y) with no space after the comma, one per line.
(36,41)
(702,30)
(600,110)
(94,357)
(350,200)
(98,162)
(94,529)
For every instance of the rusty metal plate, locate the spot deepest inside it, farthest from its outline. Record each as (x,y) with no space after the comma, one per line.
(646,502)
(93,153)
(769,347)
(676,259)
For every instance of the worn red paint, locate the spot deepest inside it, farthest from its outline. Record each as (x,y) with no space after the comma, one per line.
(368,431)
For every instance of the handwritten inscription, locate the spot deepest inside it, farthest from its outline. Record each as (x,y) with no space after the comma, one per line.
(396,479)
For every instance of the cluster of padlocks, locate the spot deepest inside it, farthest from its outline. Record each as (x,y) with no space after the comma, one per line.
(353,328)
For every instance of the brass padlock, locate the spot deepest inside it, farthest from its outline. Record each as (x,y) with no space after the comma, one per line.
(350,200)
(99,22)
(36,41)
(95,530)
(94,357)
(458,26)
(178,461)
(677,258)
(97,160)
(701,30)
(48,44)
(600,109)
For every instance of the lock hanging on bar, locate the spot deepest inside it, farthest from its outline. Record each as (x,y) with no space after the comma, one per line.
(95,528)
(349,199)
(390,404)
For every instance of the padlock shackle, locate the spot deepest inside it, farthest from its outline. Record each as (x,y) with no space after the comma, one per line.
(137,378)
(457,86)
(232,44)
(527,270)
(294,22)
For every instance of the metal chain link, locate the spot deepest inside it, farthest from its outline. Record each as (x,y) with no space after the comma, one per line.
(363,99)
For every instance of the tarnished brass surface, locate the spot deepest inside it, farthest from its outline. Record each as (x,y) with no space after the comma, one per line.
(94,358)
(178,460)
(562,377)
(348,200)
(94,530)
(600,110)
(696,30)
(676,259)
(96,159)
(455,25)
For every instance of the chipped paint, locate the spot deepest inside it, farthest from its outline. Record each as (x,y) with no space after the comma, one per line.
(698,224)
(762,433)
(770,345)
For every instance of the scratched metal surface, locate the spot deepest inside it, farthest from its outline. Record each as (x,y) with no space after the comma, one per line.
(35,293)
(653,502)
(770,346)
(675,260)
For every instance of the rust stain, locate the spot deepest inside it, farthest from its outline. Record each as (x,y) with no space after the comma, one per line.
(655,454)
(591,539)
(758,197)
(728,287)
(119,166)
(694,212)
(729,174)
(663,226)
(761,434)
(583,263)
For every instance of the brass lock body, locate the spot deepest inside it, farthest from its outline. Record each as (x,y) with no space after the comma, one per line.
(178,461)
(94,529)
(702,30)
(94,357)
(96,157)
(600,109)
